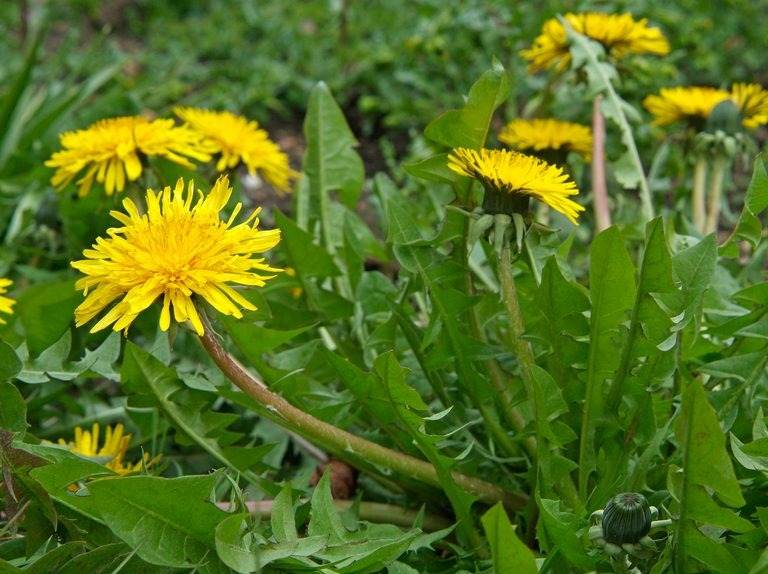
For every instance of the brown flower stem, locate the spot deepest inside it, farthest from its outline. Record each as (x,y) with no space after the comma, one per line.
(719,166)
(522,350)
(344,445)
(368,511)
(599,186)
(697,196)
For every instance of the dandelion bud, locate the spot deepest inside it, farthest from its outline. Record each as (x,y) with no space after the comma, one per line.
(626,518)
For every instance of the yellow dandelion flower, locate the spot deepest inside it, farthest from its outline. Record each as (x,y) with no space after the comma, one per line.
(111,453)
(518,174)
(179,248)
(543,135)
(752,101)
(239,140)
(620,34)
(693,103)
(110,151)
(6,303)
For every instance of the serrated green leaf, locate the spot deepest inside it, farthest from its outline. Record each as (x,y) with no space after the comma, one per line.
(283,517)
(324,519)
(168,521)
(235,545)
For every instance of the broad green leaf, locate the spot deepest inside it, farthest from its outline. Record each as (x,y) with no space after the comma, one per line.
(510,555)
(10,364)
(434,168)
(101,560)
(706,465)
(53,560)
(468,126)
(612,293)
(235,544)
(562,303)
(67,469)
(13,409)
(46,311)
(307,258)
(168,521)
(330,162)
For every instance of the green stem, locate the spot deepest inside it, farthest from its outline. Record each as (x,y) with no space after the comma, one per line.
(527,361)
(341,443)
(697,197)
(719,165)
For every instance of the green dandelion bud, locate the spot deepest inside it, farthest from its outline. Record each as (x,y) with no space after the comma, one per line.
(626,519)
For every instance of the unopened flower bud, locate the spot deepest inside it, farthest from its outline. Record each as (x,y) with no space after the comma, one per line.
(626,518)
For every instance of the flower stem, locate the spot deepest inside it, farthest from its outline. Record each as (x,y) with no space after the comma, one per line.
(719,166)
(341,443)
(697,198)
(599,186)
(527,361)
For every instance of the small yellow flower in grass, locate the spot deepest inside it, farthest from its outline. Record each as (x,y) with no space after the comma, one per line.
(542,135)
(518,174)
(620,35)
(179,249)
(752,101)
(110,151)
(6,303)
(694,103)
(112,452)
(239,140)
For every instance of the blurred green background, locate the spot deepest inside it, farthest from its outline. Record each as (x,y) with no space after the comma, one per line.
(392,64)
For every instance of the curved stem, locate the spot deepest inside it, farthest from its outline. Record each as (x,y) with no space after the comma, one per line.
(697,197)
(341,443)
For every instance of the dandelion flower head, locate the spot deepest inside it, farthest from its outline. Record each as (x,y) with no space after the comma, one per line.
(110,151)
(694,103)
(517,173)
(620,35)
(752,101)
(180,248)
(239,140)
(539,135)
